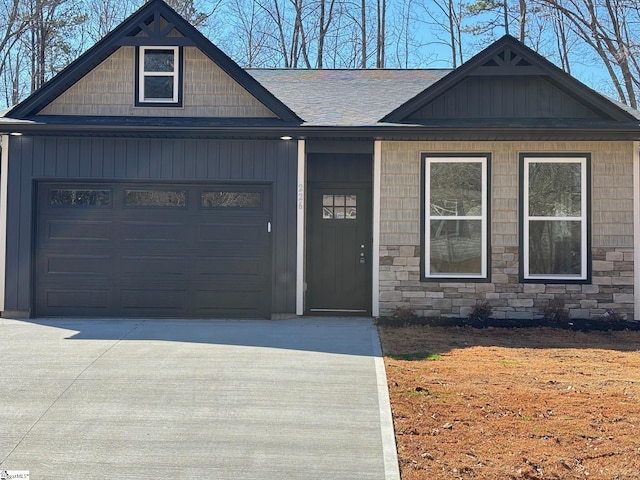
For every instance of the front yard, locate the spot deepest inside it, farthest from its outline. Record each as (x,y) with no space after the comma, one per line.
(524,403)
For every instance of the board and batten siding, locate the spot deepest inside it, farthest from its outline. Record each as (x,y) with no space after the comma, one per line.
(108,90)
(612,246)
(151,160)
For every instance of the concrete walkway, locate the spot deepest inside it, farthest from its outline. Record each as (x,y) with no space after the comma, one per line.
(181,399)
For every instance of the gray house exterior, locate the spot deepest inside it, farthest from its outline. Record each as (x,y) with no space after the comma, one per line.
(154,177)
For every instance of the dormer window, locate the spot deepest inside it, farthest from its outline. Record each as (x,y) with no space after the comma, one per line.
(159,75)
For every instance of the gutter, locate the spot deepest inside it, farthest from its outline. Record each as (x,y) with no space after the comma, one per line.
(370,132)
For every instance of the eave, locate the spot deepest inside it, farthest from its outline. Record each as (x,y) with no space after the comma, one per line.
(397,132)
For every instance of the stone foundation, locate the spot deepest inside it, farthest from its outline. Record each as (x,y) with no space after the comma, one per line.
(611,289)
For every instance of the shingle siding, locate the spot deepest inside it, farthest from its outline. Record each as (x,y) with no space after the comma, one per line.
(611,248)
(109,90)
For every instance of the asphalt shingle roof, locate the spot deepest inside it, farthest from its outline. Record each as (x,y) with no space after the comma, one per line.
(345,97)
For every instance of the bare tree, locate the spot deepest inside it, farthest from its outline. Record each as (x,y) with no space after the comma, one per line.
(48,37)
(603,26)
(382,33)
(363,34)
(105,15)
(13,22)
(324,23)
(446,17)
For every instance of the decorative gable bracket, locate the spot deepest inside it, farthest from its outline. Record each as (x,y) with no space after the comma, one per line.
(155,30)
(507,62)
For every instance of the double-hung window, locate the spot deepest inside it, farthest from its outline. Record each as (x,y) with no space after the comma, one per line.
(555,233)
(455,216)
(159,75)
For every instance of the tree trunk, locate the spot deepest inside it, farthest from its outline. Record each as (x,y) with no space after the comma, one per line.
(381,39)
(363,31)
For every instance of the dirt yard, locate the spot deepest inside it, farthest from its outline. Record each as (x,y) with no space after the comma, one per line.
(498,403)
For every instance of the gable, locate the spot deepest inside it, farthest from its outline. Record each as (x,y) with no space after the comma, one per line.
(109,80)
(108,90)
(504,97)
(505,82)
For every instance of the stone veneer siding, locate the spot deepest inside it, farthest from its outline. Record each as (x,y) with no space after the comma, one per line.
(611,287)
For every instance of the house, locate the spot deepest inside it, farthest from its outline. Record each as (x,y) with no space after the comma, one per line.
(155,177)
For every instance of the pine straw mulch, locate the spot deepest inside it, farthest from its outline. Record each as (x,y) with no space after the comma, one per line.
(514,403)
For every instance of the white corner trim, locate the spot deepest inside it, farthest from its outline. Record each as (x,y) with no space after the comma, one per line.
(375,246)
(300,222)
(636,230)
(4,183)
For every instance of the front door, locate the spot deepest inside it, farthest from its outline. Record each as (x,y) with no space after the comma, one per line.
(339,248)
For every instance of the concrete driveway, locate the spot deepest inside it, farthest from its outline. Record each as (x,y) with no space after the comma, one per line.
(216,399)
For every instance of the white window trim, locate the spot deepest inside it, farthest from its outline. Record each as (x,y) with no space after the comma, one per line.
(582,218)
(427,216)
(142,74)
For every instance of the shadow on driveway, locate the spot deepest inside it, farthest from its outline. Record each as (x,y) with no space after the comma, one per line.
(341,335)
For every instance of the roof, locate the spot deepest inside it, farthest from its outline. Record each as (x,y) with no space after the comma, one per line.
(401,104)
(345,97)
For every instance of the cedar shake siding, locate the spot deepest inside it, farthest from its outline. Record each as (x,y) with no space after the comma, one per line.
(611,285)
(109,90)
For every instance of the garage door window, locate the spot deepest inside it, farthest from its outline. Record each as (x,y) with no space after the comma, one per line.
(211,199)
(69,197)
(155,198)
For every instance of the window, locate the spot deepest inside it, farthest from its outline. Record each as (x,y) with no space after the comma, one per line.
(155,198)
(339,207)
(455,216)
(159,75)
(554,211)
(75,197)
(230,199)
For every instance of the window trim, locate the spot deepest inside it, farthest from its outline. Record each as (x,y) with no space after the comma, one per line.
(583,159)
(177,75)
(425,231)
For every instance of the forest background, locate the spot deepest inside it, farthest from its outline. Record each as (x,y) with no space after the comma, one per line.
(597,41)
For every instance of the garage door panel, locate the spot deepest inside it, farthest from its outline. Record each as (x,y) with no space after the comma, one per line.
(77,299)
(234,265)
(169,266)
(229,302)
(231,232)
(153,299)
(78,230)
(154,232)
(92,265)
(186,261)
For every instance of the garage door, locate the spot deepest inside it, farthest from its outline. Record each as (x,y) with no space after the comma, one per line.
(153,250)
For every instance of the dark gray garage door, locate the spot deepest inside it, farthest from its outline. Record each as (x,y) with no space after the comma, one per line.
(153,250)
